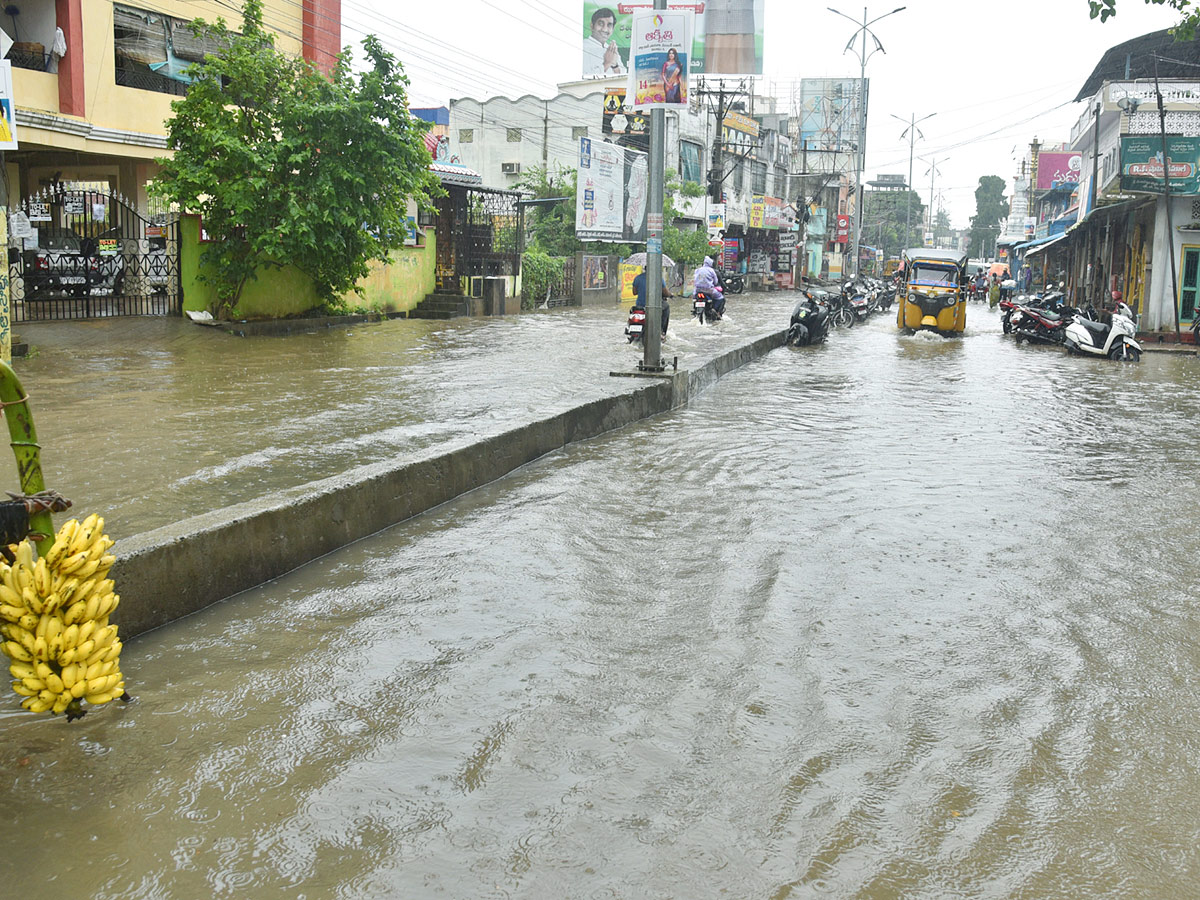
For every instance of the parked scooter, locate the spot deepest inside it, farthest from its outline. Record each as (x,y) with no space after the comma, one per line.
(1113,337)
(810,320)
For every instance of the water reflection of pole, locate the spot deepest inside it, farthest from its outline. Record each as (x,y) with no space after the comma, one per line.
(1162,127)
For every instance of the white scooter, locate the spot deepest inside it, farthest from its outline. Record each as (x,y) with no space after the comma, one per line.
(1114,338)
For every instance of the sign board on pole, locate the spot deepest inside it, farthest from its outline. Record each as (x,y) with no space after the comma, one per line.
(612,188)
(1142,164)
(658,59)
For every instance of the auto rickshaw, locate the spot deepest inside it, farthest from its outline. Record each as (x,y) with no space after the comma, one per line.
(933,295)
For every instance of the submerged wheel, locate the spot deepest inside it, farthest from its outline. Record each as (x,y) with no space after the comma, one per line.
(1125,353)
(844,318)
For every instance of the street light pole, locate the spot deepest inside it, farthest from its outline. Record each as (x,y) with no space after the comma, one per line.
(861,162)
(912,131)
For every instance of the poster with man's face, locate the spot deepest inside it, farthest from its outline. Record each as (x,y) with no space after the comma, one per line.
(727,37)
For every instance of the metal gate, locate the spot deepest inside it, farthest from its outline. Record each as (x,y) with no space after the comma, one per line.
(90,254)
(478,236)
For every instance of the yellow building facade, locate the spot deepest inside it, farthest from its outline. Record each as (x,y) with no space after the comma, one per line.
(93,81)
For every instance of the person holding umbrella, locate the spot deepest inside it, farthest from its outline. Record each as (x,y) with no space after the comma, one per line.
(639,301)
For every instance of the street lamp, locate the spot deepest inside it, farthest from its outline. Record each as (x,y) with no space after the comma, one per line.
(912,131)
(864,28)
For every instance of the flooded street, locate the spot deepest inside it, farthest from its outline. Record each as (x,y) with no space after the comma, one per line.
(892,617)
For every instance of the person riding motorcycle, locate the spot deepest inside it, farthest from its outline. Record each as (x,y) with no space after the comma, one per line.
(639,301)
(706,280)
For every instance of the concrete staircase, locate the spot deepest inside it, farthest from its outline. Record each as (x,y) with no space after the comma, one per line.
(441,306)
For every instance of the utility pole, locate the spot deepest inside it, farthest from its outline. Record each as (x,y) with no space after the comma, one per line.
(652,344)
(912,131)
(932,173)
(1162,129)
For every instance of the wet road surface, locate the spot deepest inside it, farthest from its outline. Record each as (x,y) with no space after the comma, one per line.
(895,617)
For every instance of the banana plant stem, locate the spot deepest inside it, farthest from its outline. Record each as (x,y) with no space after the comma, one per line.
(24,444)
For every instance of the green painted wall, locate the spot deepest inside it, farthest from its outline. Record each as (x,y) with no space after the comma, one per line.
(277,293)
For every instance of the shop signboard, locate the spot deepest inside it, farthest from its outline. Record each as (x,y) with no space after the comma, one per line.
(843,230)
(1058,168)
(829,115)
(1142,164)
(739,132)
(726,36)
(730,256)
(758,210)
(772,212)
(658,59)
(787,241)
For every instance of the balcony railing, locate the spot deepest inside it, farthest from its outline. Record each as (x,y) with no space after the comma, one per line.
(146,80)
(28,57)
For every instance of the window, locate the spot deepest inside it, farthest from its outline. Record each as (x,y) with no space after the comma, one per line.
(514,135)
(781,182)
(739,175)
(1189,283)
(466,135)
(689,162)
(758,183)
(153,51)
(578,131)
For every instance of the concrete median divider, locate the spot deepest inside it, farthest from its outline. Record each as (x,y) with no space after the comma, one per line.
(170,572)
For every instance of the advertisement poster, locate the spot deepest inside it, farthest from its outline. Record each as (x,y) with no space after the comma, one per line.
(726,38)
(595,273)
(622,122)
(730,256)
(716,216)
(8,122)
(1056,168)
(758,207)
(658,59)
(739,133)
(612,193)
(1142,164)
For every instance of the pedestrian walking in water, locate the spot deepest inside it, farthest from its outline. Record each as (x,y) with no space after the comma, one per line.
(993,292)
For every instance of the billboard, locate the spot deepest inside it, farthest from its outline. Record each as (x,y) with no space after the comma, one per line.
(727,38)
(658,59)
(1058,168)
(622,122)
(828,111)
(1142,164)
(612,190)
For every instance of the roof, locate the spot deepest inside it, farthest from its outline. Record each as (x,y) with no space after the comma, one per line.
(1135,59)
(931,254)
(454,173)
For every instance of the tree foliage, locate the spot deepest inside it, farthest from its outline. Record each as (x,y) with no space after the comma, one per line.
(1184,31)
(892,221)
(287,166)
(990,208)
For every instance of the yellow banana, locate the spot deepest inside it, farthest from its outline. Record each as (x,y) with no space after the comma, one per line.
(41,577)
(61,704)
(13,650)
(93,608)
(88,569)
(11,611)
(73,614)
(105,604)
(106,562)
(86,630)
(68,587)
(70,674)
(73,563)
(54,683)
(19,687)
(70,638)
(87,532)
(21,669)
(33,683)
(83,651)
(100,699)
(55,552)
(10,630)
(41,649)
(37,704)
(24,554)
(78,689)
(26,639)
(103,636)
(113,652)
(96,669)
(52,604)
(28,621)
(54,626)
(102,683)
(32,601)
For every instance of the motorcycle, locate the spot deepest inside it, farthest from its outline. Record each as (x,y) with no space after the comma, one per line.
(810,321)
(703,308)
(1037,325)
(841,311)
(635,327)
(1114,337)
(733,282)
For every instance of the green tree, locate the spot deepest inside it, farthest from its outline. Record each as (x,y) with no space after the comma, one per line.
(288,167)
(550,226)
(686,246)
(884,221)
(990,208)
(1184,31)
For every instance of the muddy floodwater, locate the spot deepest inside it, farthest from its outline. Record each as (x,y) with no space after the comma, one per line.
(893,617)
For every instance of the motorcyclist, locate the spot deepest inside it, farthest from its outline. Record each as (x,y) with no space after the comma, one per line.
(639,301)
(706,280)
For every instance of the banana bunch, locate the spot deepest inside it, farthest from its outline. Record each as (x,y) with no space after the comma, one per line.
(55,627)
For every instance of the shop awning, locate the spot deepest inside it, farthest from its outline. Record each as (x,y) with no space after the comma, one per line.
(1044,244)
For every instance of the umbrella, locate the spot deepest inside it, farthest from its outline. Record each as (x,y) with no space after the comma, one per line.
(639,259)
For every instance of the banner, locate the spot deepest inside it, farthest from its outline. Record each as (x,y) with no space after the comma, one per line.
(8,120)
(1057,168)
(611,193)
(658,59)
(1142,164)
(739,133)
(726,37)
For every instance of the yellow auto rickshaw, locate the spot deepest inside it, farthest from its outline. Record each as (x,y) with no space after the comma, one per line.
(934,295)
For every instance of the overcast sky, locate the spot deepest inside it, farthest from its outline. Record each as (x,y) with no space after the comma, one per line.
(995,72)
